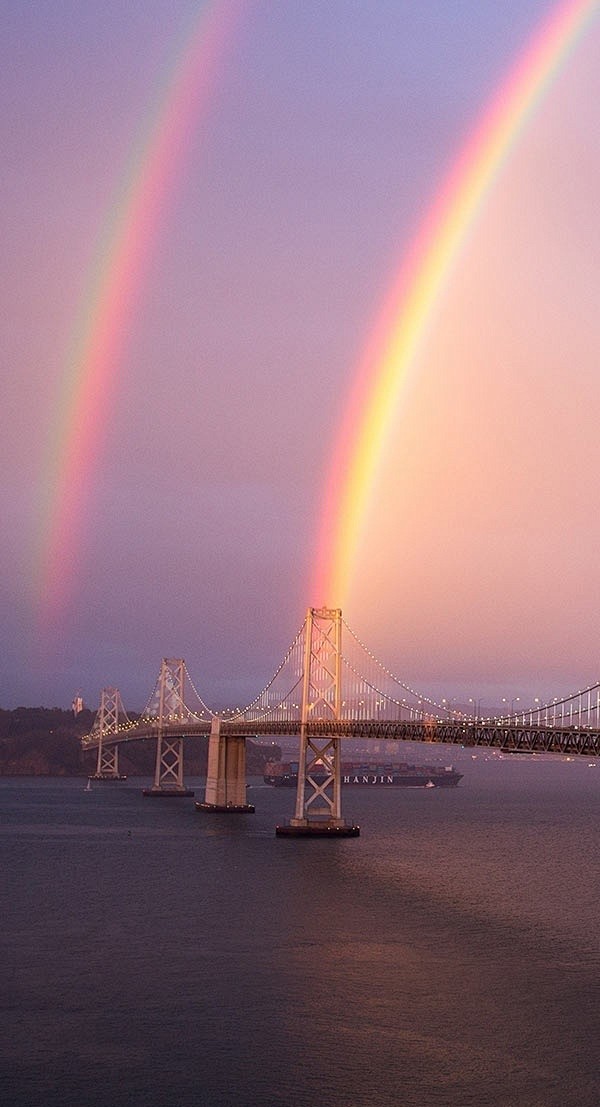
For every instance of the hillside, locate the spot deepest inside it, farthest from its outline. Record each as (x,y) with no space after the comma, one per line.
(42,741)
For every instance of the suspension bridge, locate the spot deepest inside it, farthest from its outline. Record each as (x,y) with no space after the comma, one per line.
(328,687)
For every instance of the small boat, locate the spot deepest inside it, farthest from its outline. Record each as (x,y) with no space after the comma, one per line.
(430,784)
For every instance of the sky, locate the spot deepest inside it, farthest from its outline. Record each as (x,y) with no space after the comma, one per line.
(316,139)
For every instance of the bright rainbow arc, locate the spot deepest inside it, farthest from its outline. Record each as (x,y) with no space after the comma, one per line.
(409,308)
(100,333)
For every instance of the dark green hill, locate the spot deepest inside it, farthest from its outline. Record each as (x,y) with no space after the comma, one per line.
(42,741)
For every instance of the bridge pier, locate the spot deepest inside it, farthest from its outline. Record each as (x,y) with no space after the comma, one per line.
(168,773)
(226,773)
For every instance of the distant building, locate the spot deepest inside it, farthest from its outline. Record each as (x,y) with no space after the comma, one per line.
(77,704)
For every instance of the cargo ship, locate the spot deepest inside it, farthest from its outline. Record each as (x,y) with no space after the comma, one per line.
(284,774)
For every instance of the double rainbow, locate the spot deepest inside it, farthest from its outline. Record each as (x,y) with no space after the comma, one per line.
(100,333)
(410,305)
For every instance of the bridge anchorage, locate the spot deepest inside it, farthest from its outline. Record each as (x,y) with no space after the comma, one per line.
(318,812)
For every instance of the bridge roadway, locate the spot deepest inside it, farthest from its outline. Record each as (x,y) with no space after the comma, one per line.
(514,738)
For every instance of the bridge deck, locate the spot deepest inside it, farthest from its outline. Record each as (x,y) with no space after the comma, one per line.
(516,738)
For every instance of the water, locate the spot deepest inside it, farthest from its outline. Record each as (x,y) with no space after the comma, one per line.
(153,955)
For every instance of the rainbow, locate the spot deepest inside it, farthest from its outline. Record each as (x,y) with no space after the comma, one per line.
(111,290)
(408,312)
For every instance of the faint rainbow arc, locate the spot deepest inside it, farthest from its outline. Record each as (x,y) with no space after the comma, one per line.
(111,289)
(409,306)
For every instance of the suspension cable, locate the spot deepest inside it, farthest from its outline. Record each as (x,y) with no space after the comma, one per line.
(389,673)
(255,701)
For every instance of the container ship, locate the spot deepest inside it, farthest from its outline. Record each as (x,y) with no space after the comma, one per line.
(284,774)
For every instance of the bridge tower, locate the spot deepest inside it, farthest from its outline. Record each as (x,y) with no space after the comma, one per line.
(226,773)
(168,773)
(319,796)
(105,724)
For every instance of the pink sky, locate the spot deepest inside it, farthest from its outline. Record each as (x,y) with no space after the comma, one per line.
(330,132)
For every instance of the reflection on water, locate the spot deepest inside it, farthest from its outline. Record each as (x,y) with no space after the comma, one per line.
(155,955)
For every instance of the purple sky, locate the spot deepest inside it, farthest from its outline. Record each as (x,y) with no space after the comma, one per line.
(331,126)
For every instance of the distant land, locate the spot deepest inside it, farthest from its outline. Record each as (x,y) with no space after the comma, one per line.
(46,741)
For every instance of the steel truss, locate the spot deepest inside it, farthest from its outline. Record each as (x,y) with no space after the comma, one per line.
(319,794)
(168,773)
(513,738)
(523,738)
(107,724)
(107,765)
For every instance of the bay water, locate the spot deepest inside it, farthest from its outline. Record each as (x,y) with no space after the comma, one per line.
(154,955)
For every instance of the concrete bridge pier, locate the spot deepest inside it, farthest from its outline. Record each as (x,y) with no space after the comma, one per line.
(168,773)
(226,773)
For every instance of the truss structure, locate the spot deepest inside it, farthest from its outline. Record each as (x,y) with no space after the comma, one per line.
(106,724)
(318,798)
(168,773)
